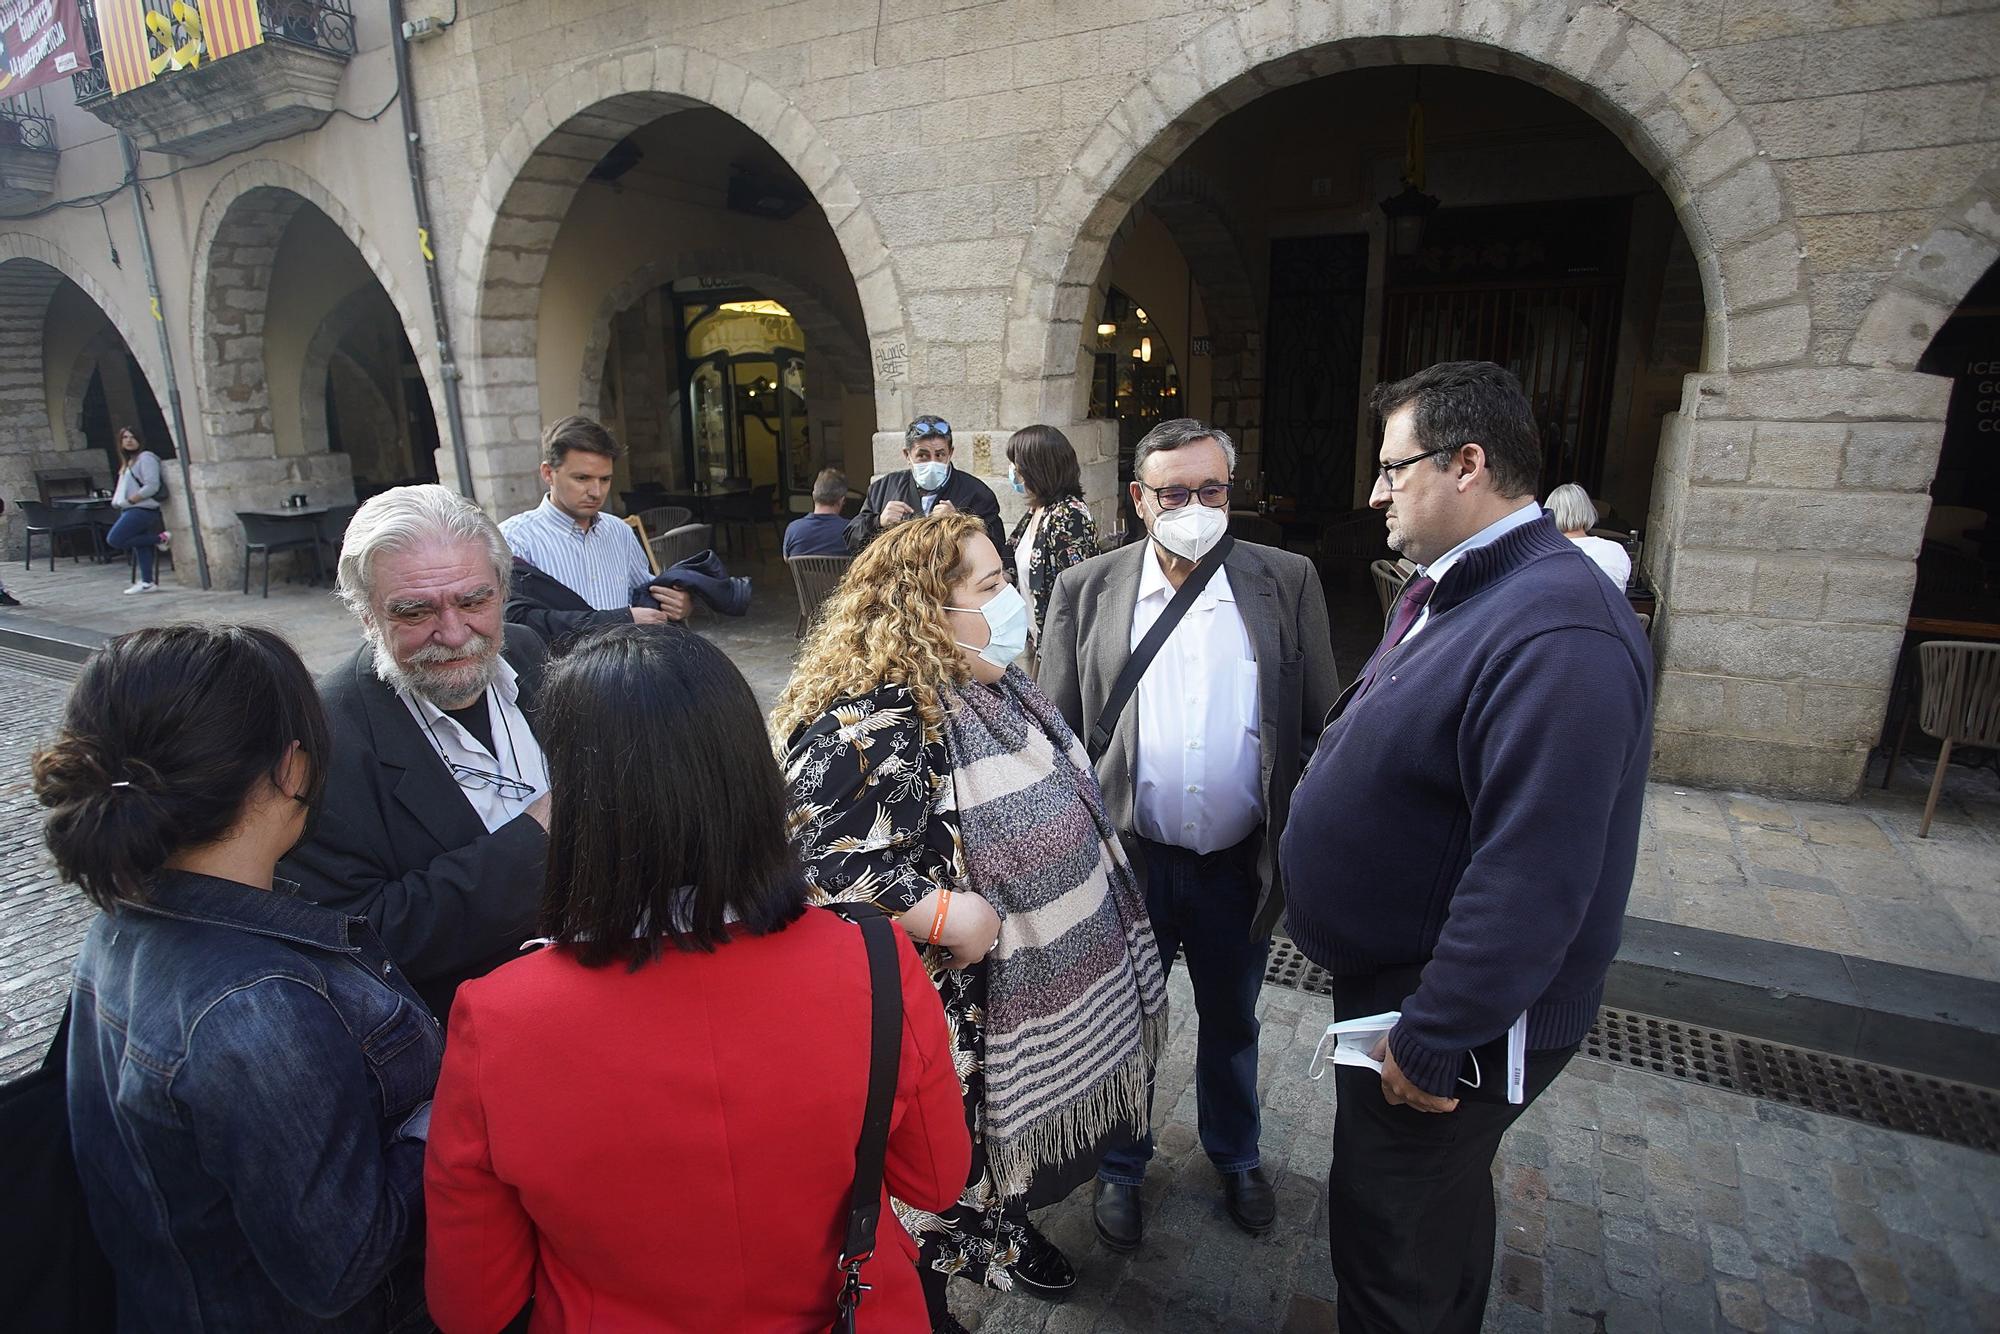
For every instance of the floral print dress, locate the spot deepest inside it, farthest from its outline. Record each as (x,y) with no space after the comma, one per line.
(875,819)
(1067,536)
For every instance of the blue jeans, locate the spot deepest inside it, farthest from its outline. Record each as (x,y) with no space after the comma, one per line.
(1204,904)
(138,531)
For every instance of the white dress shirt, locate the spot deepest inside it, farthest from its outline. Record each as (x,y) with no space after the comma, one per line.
(601,564)
(1491,533)
(520,757)
(1199,777)
(1611,558)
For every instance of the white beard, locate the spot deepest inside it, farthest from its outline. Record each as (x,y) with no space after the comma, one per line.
(442,689)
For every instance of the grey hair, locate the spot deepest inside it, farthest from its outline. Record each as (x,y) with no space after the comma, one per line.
(410,516)
(1570,505)
(1171,435)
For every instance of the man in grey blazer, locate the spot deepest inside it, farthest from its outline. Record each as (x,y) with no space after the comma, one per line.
(1199,771)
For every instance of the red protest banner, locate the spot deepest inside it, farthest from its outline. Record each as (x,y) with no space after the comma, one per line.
(40,41)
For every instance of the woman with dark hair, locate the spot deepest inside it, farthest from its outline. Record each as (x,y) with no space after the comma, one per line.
(932,779)
(248,1072)
(1057,531)
(652,1122)
(139,528)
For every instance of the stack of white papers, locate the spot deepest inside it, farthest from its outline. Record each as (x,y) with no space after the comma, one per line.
(1353,1043)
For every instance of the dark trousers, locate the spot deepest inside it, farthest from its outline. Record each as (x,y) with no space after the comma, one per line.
(1410,1202)
(1205,905)
(137,530)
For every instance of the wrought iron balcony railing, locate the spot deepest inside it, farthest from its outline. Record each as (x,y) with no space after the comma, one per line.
(322,25)
(22,126)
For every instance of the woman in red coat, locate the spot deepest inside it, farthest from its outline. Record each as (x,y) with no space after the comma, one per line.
(651,1124)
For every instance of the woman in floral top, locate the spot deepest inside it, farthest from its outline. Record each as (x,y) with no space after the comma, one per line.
(1057,531)
(874,817)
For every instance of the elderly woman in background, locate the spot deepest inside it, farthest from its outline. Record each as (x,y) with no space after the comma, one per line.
(249,1074)
(1057,531)
(930,777)
(1569,505)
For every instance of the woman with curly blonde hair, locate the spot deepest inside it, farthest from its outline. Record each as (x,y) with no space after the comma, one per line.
(929,776)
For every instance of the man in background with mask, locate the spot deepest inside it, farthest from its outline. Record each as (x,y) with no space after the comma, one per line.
(1197,766)
(930,485)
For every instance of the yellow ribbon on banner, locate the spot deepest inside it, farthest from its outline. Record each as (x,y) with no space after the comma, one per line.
(188,54)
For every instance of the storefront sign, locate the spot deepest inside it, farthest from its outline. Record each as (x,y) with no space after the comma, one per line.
(40,40)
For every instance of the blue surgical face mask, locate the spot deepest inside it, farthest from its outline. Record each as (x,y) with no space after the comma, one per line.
(1006,616)
(930,476)
(1014,479)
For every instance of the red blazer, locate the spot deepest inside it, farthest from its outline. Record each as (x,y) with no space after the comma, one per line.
(673,1149)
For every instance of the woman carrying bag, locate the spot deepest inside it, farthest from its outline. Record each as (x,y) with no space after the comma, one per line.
(651,1123)
(932,779)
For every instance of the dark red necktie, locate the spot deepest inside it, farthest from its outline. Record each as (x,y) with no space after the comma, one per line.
(1408,607)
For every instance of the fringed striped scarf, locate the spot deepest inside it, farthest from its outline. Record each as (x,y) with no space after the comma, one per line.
(1076,1000)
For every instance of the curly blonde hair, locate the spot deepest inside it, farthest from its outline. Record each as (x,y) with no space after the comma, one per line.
(885,623)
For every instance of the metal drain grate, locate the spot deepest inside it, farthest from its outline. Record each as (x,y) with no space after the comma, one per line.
(1815,1081)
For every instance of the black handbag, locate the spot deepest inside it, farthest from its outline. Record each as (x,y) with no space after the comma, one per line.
(885,1054)
(56,1276)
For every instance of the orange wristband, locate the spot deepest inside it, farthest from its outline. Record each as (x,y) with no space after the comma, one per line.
(937,923)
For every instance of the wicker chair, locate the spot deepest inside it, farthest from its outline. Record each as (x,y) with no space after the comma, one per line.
(676,545)
(1961,704)
(1388,583)
(815,577)
(665,518)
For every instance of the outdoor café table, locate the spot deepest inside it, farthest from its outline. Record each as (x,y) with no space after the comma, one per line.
(90,505)
(303,518)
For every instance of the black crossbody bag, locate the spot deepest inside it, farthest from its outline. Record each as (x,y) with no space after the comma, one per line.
(1142,657)
(885,1055)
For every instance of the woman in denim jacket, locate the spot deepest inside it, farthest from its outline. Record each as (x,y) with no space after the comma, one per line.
(249,1073)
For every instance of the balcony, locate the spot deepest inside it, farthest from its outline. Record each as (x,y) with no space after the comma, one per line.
(207,108)
(27,154)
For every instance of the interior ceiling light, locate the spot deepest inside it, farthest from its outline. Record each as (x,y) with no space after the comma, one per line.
(1141,315)
(1409,211)
(1145,349)
(1106,330)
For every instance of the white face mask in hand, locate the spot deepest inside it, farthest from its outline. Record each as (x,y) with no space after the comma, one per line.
(1190,531)
(1006,616)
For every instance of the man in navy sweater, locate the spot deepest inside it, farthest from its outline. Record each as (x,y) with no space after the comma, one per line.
(1461,846)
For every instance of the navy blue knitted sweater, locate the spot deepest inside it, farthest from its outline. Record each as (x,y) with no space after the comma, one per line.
(1477,811)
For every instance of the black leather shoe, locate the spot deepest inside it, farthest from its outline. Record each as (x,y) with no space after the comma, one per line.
(1120,1223)
(1250,1200)
(1042,1268)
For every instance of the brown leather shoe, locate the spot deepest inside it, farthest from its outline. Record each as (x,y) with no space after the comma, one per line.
(1120,1222)
(1250,1200)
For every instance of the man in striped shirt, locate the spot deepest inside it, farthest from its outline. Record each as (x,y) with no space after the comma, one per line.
(567,538)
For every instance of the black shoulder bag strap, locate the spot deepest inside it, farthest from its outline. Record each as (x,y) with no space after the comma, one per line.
(885,1050)
(1142,657)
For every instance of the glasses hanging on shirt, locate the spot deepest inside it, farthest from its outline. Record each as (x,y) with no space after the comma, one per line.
(479,780)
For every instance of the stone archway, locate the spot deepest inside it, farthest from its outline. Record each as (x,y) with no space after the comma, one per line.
(1783,557)
(1932,279)
(526,191)
(31,269)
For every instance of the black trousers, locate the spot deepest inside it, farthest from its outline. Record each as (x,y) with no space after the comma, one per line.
(1410,1202)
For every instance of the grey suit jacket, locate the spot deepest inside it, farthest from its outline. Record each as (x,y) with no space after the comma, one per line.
(1088,638)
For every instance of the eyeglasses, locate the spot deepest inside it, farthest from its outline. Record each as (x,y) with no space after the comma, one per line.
(478,780)
(1215,495)
(941,429)
(1385,475)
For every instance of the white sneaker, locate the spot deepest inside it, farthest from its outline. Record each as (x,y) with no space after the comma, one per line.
(142,588)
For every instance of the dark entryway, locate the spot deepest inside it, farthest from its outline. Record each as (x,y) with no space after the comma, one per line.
(1312,372)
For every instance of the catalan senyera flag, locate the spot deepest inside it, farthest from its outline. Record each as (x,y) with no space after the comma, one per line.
(121,24)
(228,26)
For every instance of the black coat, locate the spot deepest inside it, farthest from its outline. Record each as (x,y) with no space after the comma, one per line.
(967,494)
(397,842)
(554,610)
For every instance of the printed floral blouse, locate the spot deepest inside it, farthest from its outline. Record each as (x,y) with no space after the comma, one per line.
(1068,536)
(874,817)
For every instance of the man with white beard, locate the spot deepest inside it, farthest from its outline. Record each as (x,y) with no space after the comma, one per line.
(435,821)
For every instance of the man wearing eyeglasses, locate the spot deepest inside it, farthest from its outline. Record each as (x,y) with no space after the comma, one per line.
(434,824)
(1197,768)
(930,485)
(1463,841)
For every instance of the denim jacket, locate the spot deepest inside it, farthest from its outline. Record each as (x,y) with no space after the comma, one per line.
(240,1064)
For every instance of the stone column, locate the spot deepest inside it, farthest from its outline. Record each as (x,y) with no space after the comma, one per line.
(1787,512)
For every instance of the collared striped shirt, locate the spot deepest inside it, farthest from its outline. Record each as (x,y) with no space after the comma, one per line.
(601,564)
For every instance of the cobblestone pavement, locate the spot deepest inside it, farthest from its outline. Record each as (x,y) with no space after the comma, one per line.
(1628,1201)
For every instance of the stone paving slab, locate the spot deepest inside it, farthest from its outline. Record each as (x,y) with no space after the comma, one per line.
(1628,1201)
